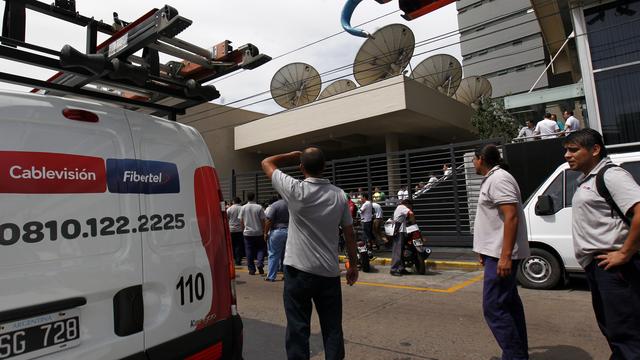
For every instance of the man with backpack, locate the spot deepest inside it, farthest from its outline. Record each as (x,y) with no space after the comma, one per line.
(606,238)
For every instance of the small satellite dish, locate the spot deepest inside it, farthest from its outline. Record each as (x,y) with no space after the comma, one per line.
(337,87)
(472,89)
(441,72)
(385,54)
(295,85)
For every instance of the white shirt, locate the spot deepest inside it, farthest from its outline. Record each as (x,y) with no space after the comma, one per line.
(498,187)
(400,216)
(525,132)
(377,210)
(234,221)
(252,216)
(546,128)
(432,179)
(366,211)
(403,194)
(572,124)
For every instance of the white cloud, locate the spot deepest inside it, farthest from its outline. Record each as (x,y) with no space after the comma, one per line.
(275,27)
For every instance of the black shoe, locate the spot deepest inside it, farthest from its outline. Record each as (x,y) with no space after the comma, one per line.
(404,272)
(252,272)
(395,273)
(261,271)
(270,280)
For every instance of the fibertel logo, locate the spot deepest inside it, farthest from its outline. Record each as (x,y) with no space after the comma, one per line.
(25,172)
(131,176)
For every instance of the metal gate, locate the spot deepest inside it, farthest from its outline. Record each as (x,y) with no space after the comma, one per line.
(444,198)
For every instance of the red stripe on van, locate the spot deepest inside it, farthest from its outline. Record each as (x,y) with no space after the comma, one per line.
(211,353)
(212,231)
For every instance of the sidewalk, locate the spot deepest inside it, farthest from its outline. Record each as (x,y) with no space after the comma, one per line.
(443,258)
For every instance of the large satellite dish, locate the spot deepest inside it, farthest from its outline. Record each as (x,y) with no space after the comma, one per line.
(295,85)
(441,72)
(337,87)
(472,89)
(384,55)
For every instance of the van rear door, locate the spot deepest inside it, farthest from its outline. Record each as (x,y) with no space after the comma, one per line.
(70,268)
(186,266)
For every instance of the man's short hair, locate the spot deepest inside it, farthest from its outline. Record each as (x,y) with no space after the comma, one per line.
(586,138)
(365,196)
(405,202)
(251,196)
(236,200)
(569,112)
(547,115)
(312,159)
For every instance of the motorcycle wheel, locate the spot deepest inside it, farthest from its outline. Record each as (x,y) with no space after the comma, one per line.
(421,268)
(364,262)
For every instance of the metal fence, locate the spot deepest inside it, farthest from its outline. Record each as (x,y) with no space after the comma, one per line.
(444,201)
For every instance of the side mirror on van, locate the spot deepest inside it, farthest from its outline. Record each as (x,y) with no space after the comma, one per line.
(544,206)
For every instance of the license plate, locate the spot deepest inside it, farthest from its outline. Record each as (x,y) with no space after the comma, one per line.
(41,335)
(417,242)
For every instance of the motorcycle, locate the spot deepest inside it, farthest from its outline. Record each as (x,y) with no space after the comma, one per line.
(362,251)
(414,252)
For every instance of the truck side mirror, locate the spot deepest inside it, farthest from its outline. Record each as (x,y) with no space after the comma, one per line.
(544,206)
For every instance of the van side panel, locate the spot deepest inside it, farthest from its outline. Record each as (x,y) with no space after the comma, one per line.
(59,222)
(186,281)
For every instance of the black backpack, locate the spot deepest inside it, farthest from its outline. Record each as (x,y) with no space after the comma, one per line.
(604,192)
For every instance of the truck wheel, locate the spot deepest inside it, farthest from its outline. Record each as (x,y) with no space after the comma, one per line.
(541,270)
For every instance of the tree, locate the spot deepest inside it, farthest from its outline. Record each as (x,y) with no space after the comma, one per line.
(492,121)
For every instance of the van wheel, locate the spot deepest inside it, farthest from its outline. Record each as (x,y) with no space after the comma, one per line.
(541,270)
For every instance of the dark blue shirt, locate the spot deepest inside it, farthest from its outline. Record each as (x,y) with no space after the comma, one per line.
(278,213)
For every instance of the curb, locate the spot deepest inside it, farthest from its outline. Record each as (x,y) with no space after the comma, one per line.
(432,264)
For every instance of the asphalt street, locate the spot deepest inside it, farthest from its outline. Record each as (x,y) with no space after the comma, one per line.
(434,316)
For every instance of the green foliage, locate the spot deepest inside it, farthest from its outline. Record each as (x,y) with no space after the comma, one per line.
(492,121)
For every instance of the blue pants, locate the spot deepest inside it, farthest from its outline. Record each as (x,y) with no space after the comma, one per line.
(615,294)
(277,241)
(254,248)
(367,229)
(237,242)
(503,310)
(300,288)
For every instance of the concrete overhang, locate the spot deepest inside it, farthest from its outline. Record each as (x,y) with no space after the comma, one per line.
(551,95)
(398,105)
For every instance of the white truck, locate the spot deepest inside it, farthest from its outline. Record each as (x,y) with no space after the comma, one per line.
(113,236)
(548,214)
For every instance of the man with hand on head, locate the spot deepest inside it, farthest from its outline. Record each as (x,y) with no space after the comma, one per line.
(316,211)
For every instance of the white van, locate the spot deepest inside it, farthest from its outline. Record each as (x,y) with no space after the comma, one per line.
(113,239)
(549,226)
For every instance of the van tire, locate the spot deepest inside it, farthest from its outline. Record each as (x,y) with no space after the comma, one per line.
(541,270)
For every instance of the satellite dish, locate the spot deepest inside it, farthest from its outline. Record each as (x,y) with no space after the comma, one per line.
(337,87)
(385,54)
(472,89)
(295,85)
(441,72)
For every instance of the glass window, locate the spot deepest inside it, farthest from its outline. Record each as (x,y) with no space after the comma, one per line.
(634,168)
(618,93)
(570,182)
(613,33)
(555,191)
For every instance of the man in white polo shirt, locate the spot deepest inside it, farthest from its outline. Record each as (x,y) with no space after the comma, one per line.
(546,127)
(606,244)
(571,123)
(500,239)
(366,216)
(316,211)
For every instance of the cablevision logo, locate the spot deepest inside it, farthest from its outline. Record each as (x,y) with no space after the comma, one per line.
(24,172)
(131,176)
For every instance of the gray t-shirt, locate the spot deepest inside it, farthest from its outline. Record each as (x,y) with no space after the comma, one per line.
(278,213)
(316,209)
(234,221)
(594,229)
(498,187)
(252,216)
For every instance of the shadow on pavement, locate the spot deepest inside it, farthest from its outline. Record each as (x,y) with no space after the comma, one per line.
(266,341)
(559,352)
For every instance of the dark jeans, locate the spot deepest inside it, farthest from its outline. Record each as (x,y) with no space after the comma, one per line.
(367,229)
(396,251)
(503,310)
(615,294)
(255,248)
(237,242)
(300,288)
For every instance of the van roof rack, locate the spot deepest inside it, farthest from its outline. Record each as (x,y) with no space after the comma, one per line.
(112,71)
